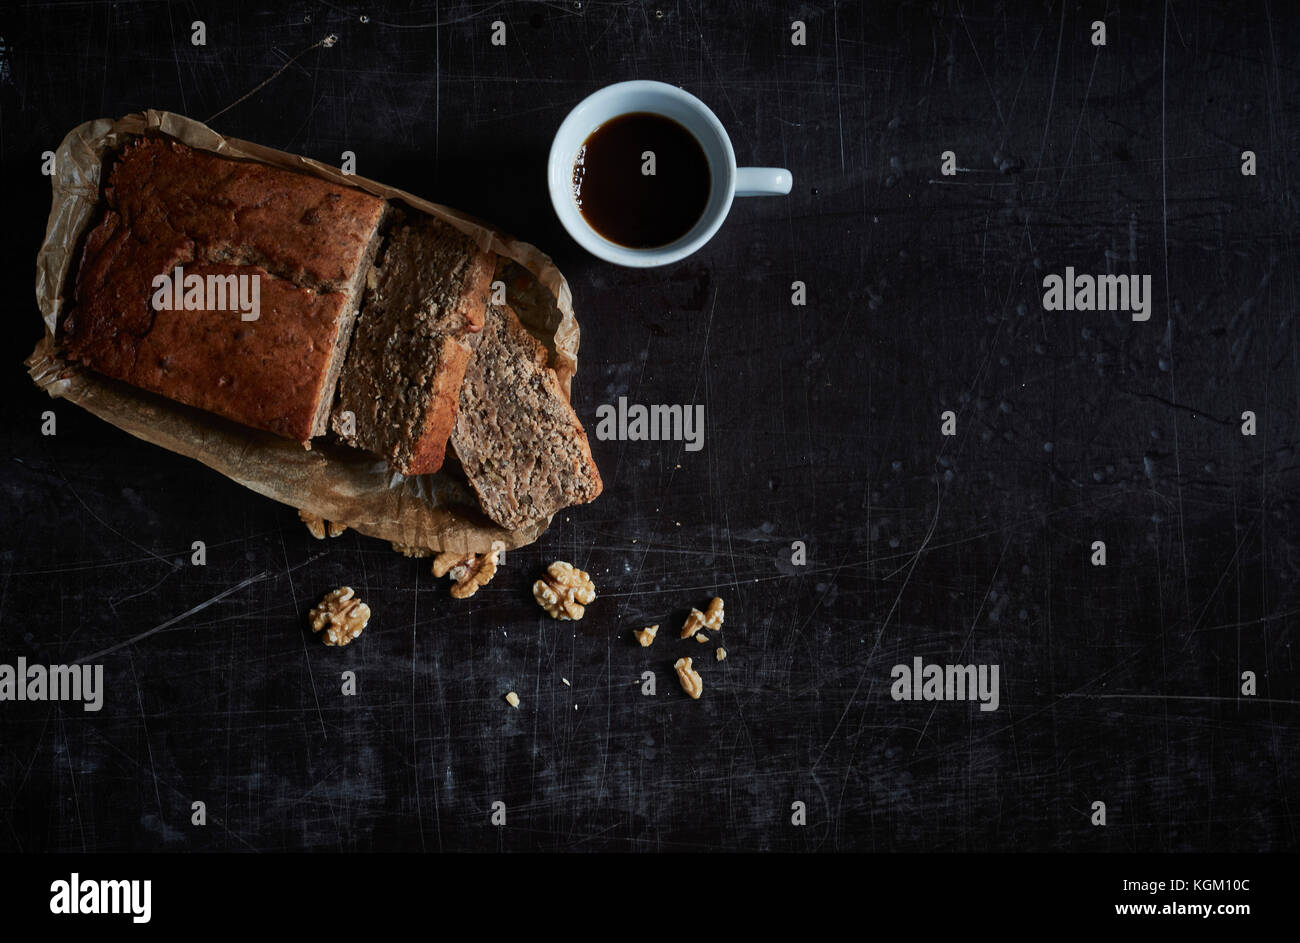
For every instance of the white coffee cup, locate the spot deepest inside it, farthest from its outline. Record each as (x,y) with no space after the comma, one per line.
(728,180)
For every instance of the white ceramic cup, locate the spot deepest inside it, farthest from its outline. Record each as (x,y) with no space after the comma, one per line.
(728,180)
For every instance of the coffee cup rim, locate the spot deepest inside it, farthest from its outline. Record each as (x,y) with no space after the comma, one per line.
(591,113)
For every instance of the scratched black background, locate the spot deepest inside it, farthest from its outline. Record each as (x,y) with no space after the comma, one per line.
(1119,684)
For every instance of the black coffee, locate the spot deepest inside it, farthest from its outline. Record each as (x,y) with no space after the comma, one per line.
(635,199)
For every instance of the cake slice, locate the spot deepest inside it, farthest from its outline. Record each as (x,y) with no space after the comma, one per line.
(518,440)
(424,306)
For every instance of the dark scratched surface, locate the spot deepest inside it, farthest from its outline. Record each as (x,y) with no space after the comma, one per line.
(1119,684)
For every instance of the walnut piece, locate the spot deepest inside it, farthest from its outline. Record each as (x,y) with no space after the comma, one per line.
(512,699)
(319,527)
(468,571)
(407,550)
(446,561)
(691,681)
(704,620)
(646,636)
(721,654)
(341,615)
(565,591)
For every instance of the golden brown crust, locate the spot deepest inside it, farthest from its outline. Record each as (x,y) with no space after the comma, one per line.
(309,231)
(474,293)
(429,451)
(305,240)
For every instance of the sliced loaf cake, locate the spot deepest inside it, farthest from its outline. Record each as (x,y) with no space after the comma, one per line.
(423,309)
(520,443)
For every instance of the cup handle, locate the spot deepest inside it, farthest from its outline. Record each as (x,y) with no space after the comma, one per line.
(763,181)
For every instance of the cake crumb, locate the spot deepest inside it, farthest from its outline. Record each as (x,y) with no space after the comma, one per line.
(721,654)
(512,699)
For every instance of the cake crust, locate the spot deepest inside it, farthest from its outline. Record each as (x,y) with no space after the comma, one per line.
(306,242)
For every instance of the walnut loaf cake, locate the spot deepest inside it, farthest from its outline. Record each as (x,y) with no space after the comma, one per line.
(423,308)
(371,320)
(308,242)
(519,441)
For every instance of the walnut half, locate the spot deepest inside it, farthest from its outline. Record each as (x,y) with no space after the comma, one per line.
(704,620)
(690,679)
(319,527)
(468,571)
(341,615)
(565,591)
(407,550)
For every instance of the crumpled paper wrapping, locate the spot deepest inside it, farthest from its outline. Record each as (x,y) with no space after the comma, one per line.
(435,512)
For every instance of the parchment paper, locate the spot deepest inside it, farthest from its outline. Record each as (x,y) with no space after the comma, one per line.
(436,512)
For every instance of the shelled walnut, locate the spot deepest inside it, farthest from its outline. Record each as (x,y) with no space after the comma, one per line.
(690,679)
(565,591)
(407,550)
(319,527)
(468,571)
(704,620)
(646,636)
(341,615)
